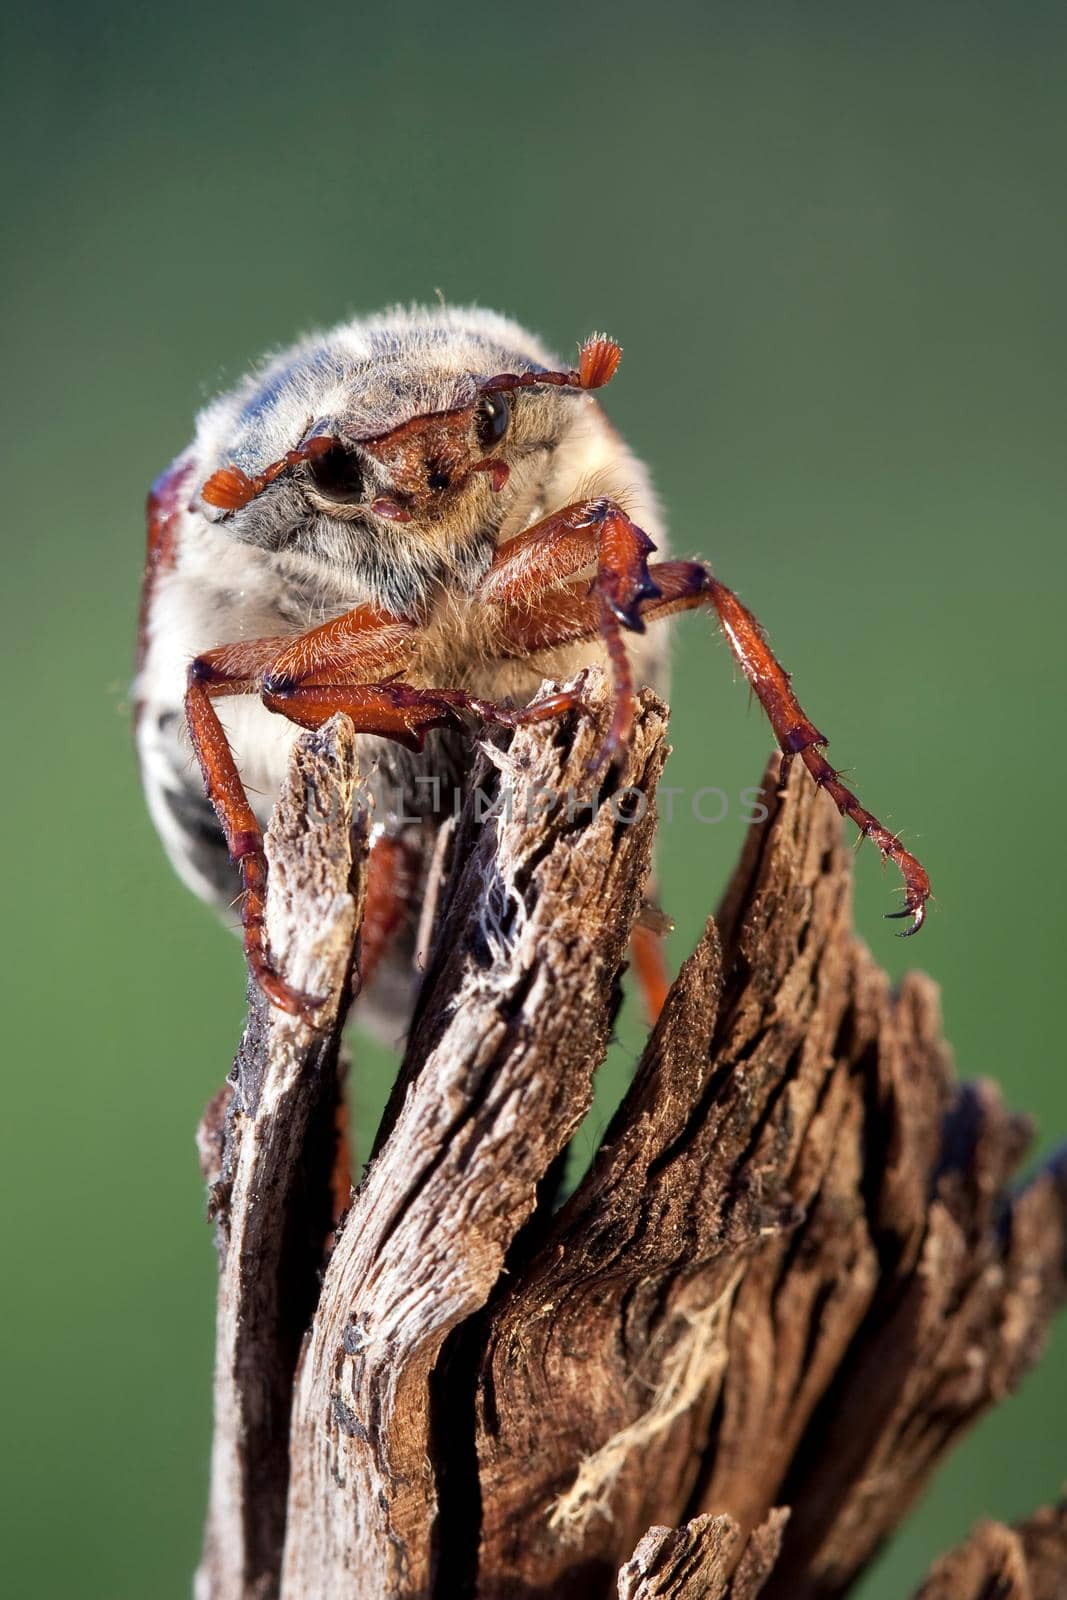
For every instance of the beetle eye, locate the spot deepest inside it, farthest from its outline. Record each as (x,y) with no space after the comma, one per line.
(337,476)
(494,414)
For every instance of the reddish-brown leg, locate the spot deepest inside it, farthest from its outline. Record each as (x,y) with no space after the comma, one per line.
(240,826)
(308,680)
(798,736)
(570,613)
(590,532)
(650,969)
(369,640)
(587,532)
(393,874)
(398,711)
(341,1171)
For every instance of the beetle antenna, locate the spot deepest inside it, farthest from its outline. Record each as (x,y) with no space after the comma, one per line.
(229,488)
(598,361)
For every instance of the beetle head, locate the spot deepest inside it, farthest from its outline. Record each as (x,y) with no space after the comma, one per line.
(423,459)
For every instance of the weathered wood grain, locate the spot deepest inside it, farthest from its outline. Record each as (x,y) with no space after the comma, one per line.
(797,1269)
(268,1142)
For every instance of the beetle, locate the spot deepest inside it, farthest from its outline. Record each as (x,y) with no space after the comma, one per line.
(413,519)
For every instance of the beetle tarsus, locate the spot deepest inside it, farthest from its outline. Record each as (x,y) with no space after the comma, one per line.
(295,1002)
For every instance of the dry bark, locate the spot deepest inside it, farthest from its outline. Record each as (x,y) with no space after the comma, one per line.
(1027,1562)
(795,1272)
(515,1018)
(267,1147)
(707,1559)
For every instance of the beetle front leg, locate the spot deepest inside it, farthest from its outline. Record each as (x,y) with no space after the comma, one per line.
(569,613)
(361,642)
(685,584)
(797,735)
(400,711)
(589,533)
(239,823)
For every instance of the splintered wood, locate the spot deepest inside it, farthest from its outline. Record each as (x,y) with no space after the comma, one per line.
(796,1271)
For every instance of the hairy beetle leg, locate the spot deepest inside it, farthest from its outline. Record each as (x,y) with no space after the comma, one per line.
(360,640)
(568,613)
(244,840)
(798,736)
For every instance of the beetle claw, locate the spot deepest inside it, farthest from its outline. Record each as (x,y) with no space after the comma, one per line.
(916,911)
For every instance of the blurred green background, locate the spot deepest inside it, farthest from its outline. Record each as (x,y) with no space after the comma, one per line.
(832,240)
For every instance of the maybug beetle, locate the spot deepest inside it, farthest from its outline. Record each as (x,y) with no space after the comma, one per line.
(414,518)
